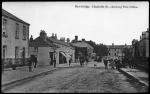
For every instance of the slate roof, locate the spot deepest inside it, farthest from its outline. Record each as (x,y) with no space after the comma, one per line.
(11,16)
(81,41)
(118,46)
(39,42)
(59,42)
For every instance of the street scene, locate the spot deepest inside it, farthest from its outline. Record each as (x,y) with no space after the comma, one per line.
(75,47)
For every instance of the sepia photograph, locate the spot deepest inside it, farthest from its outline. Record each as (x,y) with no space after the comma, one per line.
(75,47)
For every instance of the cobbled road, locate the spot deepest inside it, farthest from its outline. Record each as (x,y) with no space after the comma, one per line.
(80,80)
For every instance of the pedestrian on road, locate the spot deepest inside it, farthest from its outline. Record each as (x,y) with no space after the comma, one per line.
(105,63)
(112,64)
(35,61)
(30,64)
(54,62)
(117,63)
(81,60)
(70,60)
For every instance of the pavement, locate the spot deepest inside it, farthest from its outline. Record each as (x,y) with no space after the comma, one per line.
(138,75)
(10,76)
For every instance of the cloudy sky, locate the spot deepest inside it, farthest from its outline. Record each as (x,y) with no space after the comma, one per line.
(107,22)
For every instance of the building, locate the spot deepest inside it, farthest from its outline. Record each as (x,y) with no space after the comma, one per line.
(135,48)
(140,51)
(82,47)
(144,44)
(15,37)
(117,51)
(141,47)
(65,50)
(47,48)
(42,49)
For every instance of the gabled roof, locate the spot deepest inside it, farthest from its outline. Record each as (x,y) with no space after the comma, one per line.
(58,41)
(118,46)
(76,44)
(39,42)
(11,16)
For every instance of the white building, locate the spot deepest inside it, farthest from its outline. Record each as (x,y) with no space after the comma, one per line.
(47,48)
(117,51)
(15,37)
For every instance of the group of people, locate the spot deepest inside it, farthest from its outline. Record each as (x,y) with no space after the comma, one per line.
(112,63)
(32,61)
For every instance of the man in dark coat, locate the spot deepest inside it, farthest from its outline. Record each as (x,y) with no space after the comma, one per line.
(35,61)
(70,60)
(30,64)
(106,63)
(81,60)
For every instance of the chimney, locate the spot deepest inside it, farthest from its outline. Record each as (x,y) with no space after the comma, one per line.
(147,29)
(68,40)
(43,34)
(112,44)
(55,36)
(83,39)
(62,39)
(31,38)
(76,38)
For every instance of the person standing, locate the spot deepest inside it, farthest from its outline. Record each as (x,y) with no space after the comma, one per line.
(117,63)
(81,60)
(30,64)
(70,60)
(105,63)
(54,62)
(35,61)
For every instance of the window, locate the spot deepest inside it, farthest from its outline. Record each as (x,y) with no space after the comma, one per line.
(17,31)
(4,26)
(24,32)
(16,52)
(36,49)
(4,51)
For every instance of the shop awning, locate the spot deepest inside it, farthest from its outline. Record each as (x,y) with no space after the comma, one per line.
(65,54)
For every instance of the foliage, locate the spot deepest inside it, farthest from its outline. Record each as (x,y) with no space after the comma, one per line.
(99,49)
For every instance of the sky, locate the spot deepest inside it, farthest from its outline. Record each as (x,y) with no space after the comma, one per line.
(107,22)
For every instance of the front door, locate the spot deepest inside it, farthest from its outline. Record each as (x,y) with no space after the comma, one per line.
(51,57)
(23,55)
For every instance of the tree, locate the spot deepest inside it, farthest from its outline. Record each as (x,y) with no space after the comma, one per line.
(101,50)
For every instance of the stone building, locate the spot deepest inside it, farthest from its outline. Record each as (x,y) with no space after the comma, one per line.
(82,47)
(140,51)
(42,49)
(141,47)
(15,37)
(144,44)
(47,48)
(117,51)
